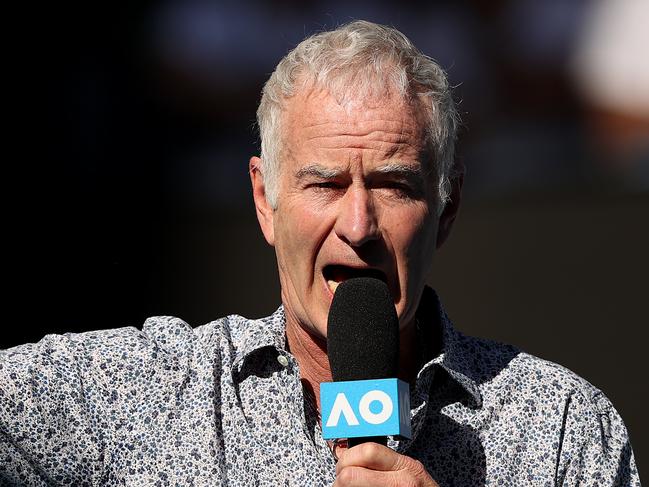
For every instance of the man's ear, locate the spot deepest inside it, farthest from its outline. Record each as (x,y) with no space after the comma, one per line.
(263,208)
(447,218)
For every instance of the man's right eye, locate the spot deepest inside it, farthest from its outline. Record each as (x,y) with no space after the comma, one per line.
(326,185)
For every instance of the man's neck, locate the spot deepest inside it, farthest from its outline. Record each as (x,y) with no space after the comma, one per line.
(311,355)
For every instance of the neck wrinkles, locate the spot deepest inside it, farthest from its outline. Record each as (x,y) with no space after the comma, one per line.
(311,356)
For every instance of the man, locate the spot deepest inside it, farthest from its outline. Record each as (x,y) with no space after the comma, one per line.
(356,177)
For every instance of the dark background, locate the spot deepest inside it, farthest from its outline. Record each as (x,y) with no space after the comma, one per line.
(126,187)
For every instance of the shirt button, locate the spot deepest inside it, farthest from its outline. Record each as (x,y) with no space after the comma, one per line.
(282,360)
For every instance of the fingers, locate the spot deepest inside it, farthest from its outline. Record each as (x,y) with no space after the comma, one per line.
(372,456)
(371,464)
(362,477)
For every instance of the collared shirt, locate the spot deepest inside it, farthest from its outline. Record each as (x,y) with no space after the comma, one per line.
(222,404)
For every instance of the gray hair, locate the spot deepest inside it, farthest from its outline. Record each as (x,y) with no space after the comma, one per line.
(371,59)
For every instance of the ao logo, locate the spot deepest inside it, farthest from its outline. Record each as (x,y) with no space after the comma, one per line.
(359,408)
(342,407)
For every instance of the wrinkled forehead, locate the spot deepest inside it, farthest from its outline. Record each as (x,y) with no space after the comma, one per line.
(323,128)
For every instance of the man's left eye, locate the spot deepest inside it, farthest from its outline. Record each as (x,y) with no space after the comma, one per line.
(326,185)
(400,189)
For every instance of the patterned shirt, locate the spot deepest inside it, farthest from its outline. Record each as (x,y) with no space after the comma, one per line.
(223,404)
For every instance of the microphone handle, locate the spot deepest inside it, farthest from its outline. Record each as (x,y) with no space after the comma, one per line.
(381,440)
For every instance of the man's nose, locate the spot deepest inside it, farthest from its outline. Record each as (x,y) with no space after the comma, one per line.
(357,220)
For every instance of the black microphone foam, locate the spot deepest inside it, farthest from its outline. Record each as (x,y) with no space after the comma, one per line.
(363,331)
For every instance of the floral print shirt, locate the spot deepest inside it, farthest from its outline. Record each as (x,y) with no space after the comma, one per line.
(222,404)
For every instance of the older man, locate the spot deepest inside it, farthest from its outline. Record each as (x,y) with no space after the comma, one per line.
(356,177)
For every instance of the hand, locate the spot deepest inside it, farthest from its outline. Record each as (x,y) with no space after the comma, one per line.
(371,464)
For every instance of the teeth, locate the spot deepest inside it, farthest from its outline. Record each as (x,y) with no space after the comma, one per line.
(332,285)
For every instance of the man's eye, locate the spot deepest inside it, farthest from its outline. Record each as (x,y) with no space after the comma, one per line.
(326,185)
(399,189)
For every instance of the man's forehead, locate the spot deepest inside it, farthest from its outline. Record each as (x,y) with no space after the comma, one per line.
(388,130)
(317,114)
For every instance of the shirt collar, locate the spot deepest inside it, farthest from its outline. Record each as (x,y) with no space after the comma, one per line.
(270,333)
(453,358)
(265,333)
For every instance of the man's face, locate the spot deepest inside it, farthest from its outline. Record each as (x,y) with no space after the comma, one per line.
(355,199)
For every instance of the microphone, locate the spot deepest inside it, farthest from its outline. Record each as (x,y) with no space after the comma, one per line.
(365,402)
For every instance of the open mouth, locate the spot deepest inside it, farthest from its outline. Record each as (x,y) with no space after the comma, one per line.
(335,274)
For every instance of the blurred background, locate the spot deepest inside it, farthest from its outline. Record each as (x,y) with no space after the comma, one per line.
(130,128)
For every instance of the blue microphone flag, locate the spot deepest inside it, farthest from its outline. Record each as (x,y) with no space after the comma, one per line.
(360,408)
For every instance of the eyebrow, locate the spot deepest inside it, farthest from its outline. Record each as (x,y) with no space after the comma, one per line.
(403,170)
(318,171)
(393,168)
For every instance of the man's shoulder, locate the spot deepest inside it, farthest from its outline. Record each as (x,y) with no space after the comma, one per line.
(544,378)
(166,336)
(507,370)
(164,350)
